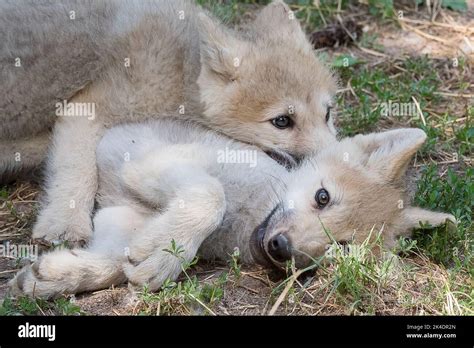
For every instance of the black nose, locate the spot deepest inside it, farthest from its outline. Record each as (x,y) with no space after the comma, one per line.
(279,248)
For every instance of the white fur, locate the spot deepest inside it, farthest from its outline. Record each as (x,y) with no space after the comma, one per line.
(162,182)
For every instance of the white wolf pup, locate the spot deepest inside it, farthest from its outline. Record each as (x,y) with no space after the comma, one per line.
(148,59)
(166,181)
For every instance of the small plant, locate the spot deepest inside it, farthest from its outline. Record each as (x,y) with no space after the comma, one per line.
(370,41)
(67,306)
(178,251)
(382,8)
(455,194)
(406,246)
(20,306)
(214,292)
(3,193)
(182,296)
(354,272)
(455,5)
(234,262)
(373,89)
(35,306)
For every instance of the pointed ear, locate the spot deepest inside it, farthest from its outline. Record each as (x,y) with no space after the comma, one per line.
(221,52)
(390,152)
(411,218)
(276,22)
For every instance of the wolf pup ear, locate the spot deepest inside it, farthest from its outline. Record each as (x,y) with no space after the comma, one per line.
(221,52)
(390,152)
(276,22)
(412,217)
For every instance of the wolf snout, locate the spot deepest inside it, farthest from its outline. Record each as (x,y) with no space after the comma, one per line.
(279,248)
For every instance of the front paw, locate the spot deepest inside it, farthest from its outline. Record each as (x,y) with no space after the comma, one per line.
(139,250)
(32,282)
(55,226)
(153,271)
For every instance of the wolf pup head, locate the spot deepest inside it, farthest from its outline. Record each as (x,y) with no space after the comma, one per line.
(267,87)
(348,193)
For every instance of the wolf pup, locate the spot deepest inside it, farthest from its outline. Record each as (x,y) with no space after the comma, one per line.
(167,182)
(155,59)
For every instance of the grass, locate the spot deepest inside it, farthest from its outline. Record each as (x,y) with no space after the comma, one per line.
(188,296)
(385,85)
(359,281)
(28,306)
(455,194)
(443,187)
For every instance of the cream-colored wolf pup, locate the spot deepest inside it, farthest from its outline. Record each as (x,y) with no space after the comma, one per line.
(154,58)
(168,182)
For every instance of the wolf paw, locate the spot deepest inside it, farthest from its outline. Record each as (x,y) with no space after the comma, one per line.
(137,252)
(153,271)
(34,282)
(51,227)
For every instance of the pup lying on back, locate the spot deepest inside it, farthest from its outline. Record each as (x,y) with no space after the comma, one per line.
(153,58)
(169,182)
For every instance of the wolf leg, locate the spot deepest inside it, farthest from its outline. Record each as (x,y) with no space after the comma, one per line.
(71,182)
(193,205)
(67,272)
(78,270)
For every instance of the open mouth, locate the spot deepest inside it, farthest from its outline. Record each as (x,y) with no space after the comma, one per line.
(257,240)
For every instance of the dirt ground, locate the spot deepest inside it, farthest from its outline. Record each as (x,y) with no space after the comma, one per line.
(256,291)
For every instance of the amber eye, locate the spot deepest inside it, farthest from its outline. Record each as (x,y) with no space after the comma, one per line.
(328,114)
(322,198)
(282,122)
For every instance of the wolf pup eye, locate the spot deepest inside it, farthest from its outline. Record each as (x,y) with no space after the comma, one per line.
(322,198)
(328,114)
(282,122)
